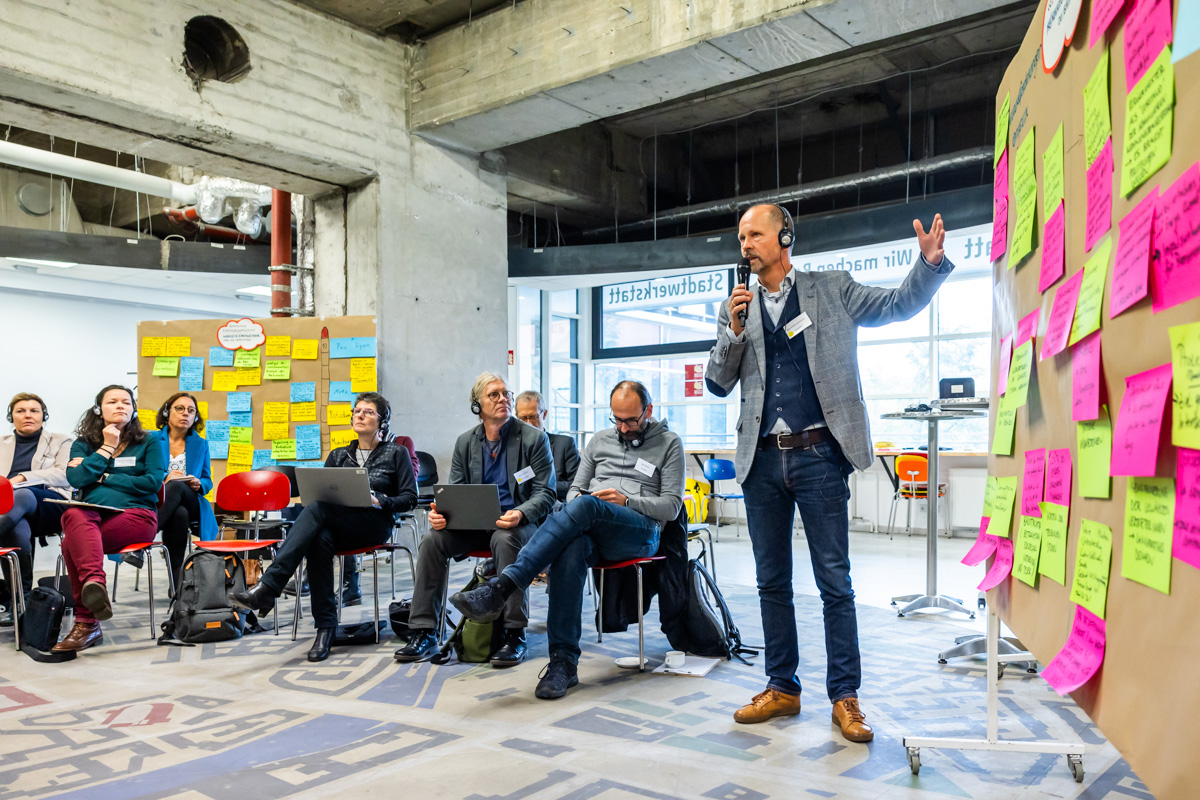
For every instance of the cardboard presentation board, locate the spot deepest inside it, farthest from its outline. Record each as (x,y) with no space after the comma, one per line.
(1144,693)
(272,390)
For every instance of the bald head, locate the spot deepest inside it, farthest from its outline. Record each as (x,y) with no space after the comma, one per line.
(769,212)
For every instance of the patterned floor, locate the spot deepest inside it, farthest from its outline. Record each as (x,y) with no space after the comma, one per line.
(253,719)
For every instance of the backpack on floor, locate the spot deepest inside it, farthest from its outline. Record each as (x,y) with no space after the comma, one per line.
(41,625)
(710,628)
(201,611)
(398,613)
(474,642)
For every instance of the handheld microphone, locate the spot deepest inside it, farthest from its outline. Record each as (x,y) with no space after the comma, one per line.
(743,279)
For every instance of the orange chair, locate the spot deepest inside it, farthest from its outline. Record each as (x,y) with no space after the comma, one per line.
(912,483)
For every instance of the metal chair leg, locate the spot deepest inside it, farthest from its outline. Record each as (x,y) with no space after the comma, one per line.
(600,611)
(296,613)
(116,574)
(375,588)
(641,632)
(18,597)
(441,636)
(149,589)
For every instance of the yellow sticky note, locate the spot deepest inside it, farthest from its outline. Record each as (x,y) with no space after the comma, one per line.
(1019,370)
(1053,560)
(241,453)
(248,376)
(154,346)
(341,438)
(212,494)
(224,381)
(247,358)
(1093,443)
(1093,558)
(1149,528)
(178,346)
(338,414)
(362,375)
(149,418)
(1097,124)
(1002,506)
(1024,177)
(283,449)
(279,345)
(275,430)
(1185,386)
(241,436)
(202,407)
(1028,550)
(1091,292)
(306,349)
(278,371)
(1001,129)
(1006,425)
(234,467)
(275,412)
(1052,174)
(1149,119)
(304,412)
(166,366)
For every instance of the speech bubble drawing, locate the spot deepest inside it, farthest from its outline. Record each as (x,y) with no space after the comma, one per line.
(243,334)
(1058,28)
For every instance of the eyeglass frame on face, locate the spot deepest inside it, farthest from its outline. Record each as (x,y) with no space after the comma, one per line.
(364,412)
(494,396)
(631,422)
(192,410)
(530,419)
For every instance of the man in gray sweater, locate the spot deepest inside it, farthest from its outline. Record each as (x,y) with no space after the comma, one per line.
(629,485)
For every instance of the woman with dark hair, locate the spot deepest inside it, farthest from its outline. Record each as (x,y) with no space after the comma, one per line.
(114,464)
(35,461)
(325,528)
(188,479)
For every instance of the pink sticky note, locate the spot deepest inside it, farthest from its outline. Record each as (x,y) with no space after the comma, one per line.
(1054,243)
(1001,567)
(1147,31)
(1081,655)
(1026,328)
(1085,380)
(1062,312)
(1099,196)
(999,229)
(1131,276)
(1177,242)
(1033,483)
(1139,422)
(984,545)
(1058,477)
(1005,363)
(1187,506)
(1000,179)
(1103,14)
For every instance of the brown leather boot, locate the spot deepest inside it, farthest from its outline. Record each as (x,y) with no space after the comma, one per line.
(767,704)
(95,597)
(82,636)
(850,718)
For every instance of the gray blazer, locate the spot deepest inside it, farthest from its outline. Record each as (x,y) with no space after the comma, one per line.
(49,460)
(837,305)
(527,447)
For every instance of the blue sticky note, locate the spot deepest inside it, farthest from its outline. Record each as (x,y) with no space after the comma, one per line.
(262,458)
(304,392)
(308,449)
(304,464)
(219,449)
(191,374)
(241,419)
(237,401)
(1187,32)
(220,357)
(308,433)
(216,430)
(339,392)
(353,347)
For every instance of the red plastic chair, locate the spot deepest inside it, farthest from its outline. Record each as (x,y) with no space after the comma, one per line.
(9,554)
(636,563)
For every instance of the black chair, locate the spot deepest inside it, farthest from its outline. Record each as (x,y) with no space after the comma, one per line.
(291,476)
(427,476)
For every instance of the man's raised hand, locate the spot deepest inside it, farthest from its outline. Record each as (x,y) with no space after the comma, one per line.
(931,243)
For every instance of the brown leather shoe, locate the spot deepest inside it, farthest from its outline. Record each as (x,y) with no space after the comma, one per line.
(767,704)
(850,718)
(94,596)
(82,636)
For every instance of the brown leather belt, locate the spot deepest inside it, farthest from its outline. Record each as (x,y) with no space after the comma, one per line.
(795,441)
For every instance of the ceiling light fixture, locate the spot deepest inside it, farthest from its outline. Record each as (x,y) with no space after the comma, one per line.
(262,291)
(44,263)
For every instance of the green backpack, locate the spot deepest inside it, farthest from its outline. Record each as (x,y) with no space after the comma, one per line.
(474,642)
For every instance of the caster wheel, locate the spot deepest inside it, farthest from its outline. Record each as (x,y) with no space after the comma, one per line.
(942,661)
(1076,765)
(899,613)
(914,760)
(972,616)
(1032,671)
(893,602)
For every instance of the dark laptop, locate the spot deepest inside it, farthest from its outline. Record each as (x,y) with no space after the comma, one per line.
(468,506)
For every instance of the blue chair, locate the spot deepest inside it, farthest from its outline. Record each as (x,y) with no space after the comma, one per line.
(721,469)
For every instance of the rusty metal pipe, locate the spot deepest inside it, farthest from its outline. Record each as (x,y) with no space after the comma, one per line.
(281,251)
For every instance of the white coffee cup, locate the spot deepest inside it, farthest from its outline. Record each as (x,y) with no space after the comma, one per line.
(675,659)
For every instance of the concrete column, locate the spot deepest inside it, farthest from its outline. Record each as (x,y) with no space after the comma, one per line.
(329,211)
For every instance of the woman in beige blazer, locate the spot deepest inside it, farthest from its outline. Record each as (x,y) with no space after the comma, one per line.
(35,461)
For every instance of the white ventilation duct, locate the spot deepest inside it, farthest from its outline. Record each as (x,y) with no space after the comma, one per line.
(67,166)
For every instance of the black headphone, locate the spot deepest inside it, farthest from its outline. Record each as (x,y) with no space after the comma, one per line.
(476,409)
(787,234)
(643,394)
(45,413)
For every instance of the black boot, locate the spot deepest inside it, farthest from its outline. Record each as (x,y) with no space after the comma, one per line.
(320,646)
(351,592)
(259,599)
(421,645)
(512,652)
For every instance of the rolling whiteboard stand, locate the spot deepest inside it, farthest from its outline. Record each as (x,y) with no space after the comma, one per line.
(1072,750)
(931,598)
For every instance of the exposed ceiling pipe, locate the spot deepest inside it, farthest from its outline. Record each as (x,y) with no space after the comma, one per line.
(962,158)
(188,216)
(281,256)
(68,166)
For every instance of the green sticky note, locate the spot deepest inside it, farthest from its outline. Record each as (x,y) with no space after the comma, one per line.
(1052,174)
(283,449)
(1149,121)
(241,435)
(1185,386)
(1097,124)
(1006,426)
(1024,178)
(1093,556)
(1019,370)
(1093,443)
(1091,292)
(1002,506)
(166,366)
(278,371)
(1027,550)
(1001,130)
(247,358)
(1053,563)
(1149,524)
(989,494)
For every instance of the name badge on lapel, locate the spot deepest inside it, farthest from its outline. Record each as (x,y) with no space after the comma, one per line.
(125,461)
(524,475)
(798,324)
(645,467)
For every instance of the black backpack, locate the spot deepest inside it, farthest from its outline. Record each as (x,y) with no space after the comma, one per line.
(41,625)
(201,611)
(711,631)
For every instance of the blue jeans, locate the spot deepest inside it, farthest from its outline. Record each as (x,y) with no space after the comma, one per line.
(814,480)
(570,541)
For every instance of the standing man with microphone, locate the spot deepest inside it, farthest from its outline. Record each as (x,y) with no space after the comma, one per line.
(803,429)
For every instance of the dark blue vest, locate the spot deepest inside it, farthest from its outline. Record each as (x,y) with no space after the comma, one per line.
(788,390)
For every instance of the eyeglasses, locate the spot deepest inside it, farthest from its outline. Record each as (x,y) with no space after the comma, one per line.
(495,396)
(632,422)
(183,409)
(530,419)
(365,412)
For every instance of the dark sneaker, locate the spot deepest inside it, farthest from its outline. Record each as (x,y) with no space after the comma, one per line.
(512,652)
(480,605)
(422,644)
(557,676)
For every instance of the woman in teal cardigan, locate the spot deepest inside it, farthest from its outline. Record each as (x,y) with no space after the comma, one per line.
(188,479)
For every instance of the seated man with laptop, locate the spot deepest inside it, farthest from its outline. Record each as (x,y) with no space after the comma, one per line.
(511,462)
(344,509)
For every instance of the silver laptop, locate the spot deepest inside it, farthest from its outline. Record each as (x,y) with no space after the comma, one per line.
(345,486)
(468,506)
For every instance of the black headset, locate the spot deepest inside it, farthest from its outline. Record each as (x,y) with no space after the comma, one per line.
(45,413)
(476,409)
(787,234)
(644,395)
